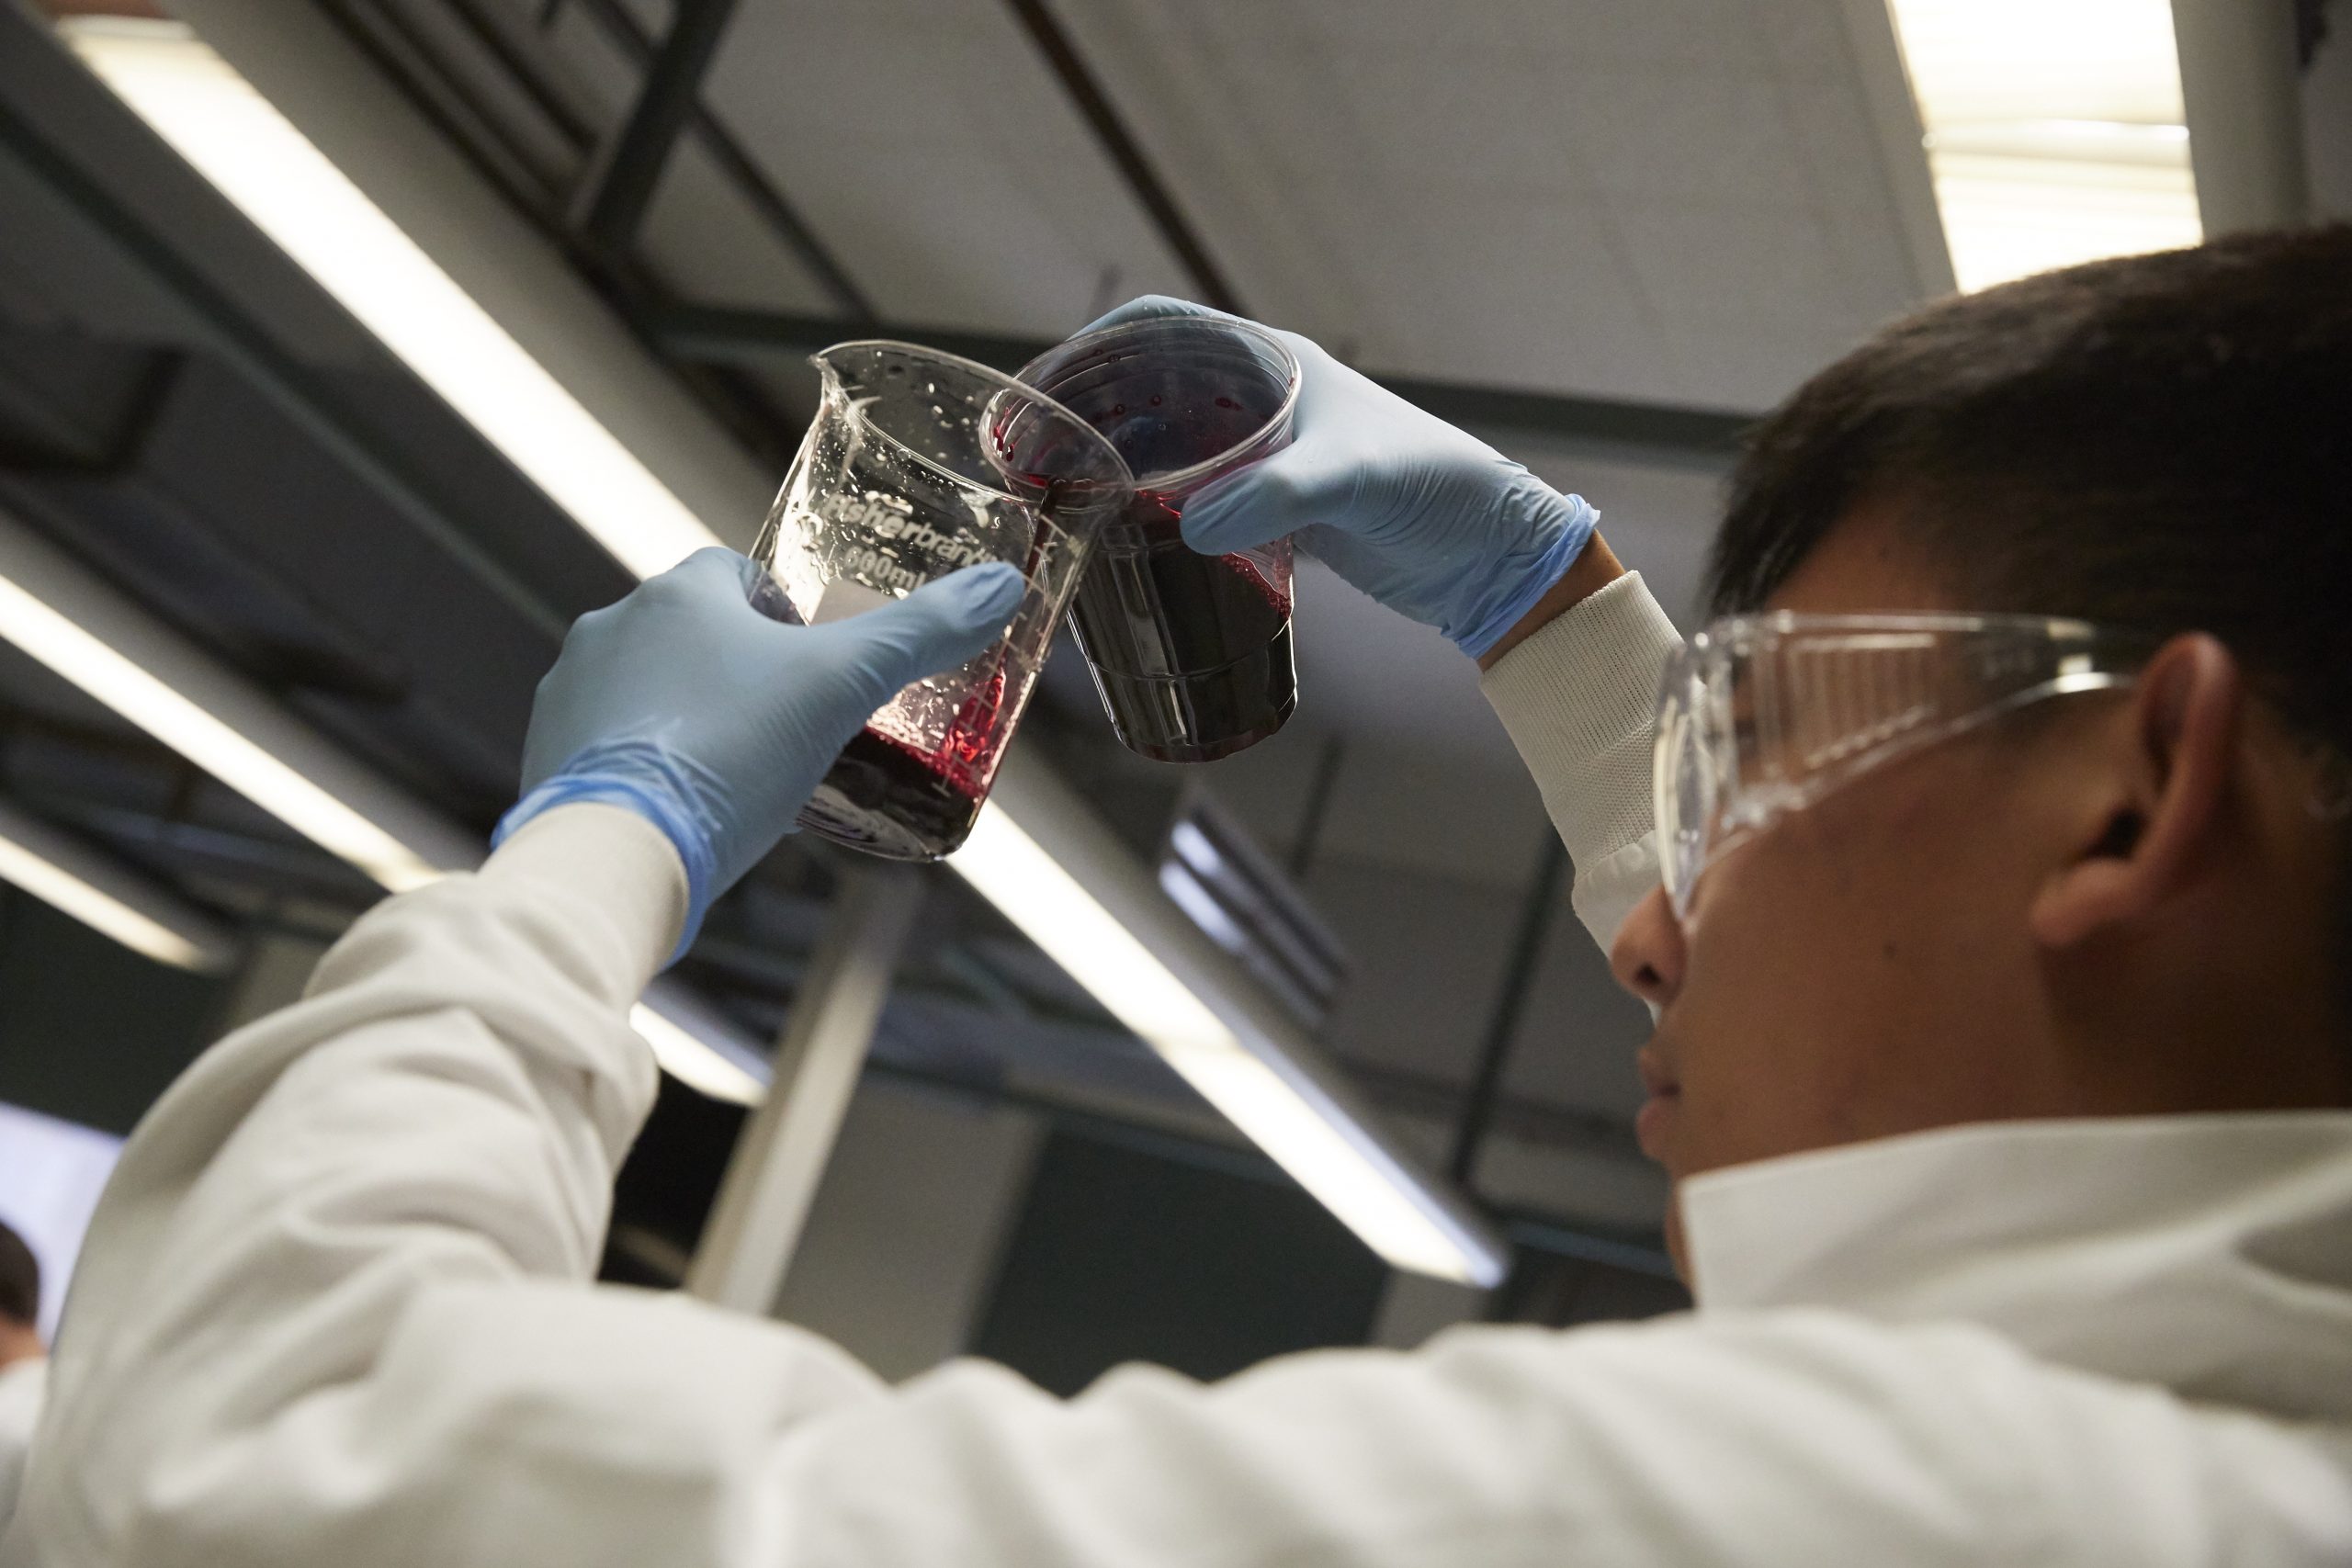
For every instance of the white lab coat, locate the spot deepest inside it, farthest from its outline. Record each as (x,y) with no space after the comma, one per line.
(21,1384)
(334,1310)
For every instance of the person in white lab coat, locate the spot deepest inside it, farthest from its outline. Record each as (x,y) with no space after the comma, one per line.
(24,1361)
(2002,1062)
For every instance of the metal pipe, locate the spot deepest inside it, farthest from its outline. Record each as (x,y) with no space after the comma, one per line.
(1519,974)
(780,1156)
(492,37)
(109,896)
(783,220)
(1086,96)
(618,187)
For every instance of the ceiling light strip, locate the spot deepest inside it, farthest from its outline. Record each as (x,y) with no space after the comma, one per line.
(58,613)
(83,631)
(62,872)
(2054,131)
(1041,857)
(214,119)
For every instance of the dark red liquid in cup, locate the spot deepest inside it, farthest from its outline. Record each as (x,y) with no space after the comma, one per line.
(1190,652)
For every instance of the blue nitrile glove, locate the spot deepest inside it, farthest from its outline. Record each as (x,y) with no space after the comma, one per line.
(714,722)
(1430,522)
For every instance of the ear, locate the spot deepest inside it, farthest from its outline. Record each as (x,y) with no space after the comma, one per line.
(2176,744)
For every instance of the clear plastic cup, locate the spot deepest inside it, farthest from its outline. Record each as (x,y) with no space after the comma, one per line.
(1191,653)
(917,464)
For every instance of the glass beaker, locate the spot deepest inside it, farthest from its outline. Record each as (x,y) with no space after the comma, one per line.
(920,463)
(1191,653)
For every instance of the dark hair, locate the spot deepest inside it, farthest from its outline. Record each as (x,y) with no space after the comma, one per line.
(19,1279)
(2161,441)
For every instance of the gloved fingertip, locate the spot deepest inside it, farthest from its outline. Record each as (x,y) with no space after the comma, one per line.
(990,593)
(713,558)
(1146,308)
(1238,513)
(708,568)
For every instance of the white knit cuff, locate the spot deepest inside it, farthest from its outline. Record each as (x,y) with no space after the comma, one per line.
(1579,698)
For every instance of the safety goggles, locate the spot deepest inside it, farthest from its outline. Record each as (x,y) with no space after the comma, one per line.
(1763,715)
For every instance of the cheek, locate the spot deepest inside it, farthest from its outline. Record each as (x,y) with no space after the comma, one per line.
(1782,967)
(1823,980)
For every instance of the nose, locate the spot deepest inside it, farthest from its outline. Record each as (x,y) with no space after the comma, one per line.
(1648,957)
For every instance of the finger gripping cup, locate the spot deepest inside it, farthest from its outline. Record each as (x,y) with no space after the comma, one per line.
(920,464)
(1190,652)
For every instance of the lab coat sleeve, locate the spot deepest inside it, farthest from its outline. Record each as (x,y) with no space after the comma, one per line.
(334,1310)
(1579,698)
(333,1257)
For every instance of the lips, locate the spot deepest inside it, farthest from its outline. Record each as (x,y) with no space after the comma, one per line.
(1657,1077)
(1651,1122)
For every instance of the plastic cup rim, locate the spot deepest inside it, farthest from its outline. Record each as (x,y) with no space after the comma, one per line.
(1003,384)
(1177,480)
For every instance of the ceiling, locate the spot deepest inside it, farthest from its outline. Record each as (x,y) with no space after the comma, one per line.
(1679,200)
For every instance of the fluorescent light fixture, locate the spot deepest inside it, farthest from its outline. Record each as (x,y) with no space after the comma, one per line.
(60,872)
(1326,1149)
(698,1047)
(214,119)
(159,707)
(83,631)
(2054,130)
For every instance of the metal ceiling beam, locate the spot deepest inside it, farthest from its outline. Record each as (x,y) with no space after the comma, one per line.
(1118,142)
(610,207)
(109,897)
(1659,433)
(783,220)
(780,1156)
(1502,1027)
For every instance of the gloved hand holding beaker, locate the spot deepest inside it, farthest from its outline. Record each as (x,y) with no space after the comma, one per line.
(686,704)
(1425,518)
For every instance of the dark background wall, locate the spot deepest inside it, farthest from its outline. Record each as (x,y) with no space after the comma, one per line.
(90,1030)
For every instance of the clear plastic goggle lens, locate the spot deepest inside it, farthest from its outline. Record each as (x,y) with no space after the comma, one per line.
(1683,785)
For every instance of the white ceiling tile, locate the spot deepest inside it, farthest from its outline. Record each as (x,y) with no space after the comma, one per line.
(1605,34)
(1687,133)
(1803,38)
(1574,195)
(1739,362)
(1766,264)
(705,244)
(1487,119)
(1522,293)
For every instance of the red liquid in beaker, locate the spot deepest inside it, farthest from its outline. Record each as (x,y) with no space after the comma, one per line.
(915,805)
(1190,652)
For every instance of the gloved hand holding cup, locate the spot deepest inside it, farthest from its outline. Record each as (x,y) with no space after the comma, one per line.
(861,673)
(713,721)
(1190,652)
(1425,518)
